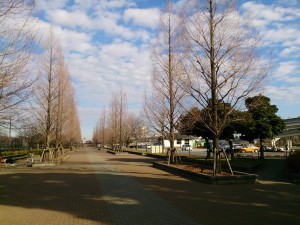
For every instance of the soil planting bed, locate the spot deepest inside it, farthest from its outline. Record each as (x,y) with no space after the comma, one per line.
(193,172)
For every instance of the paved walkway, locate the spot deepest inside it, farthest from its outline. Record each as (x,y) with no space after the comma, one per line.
(94,187)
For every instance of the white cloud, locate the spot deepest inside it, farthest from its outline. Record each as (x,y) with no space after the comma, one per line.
(75,41)
(117,3)
(287,94)
(119,49)
(106,46)
(283,34)
(278,22)
(271,13)
(293,51)
(70,40)
(143,17)
(289,2)
(112,66)
(284,88)
(65,18)
(279,26)
(286,99)
(90,15)
(288,72)
(48,5)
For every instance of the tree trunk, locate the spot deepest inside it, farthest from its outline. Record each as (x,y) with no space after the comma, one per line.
(214,98)
(261,149)
(231,149)
(208,148)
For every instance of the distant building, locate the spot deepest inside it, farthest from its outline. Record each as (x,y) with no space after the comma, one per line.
(86,141)
(180,139)
(291,130)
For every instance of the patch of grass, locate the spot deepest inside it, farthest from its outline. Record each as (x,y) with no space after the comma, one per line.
(293,163)
(246,164)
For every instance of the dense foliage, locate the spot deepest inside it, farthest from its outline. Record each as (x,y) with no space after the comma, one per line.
(264,123)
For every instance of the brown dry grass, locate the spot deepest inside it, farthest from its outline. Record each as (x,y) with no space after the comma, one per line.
(198,169)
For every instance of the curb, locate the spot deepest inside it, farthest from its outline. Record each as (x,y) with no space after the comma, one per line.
(117,153)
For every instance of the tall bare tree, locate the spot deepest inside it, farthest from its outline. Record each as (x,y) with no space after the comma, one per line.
(65,94)
(168,70)
(103,128)
(113,120)
(47,90)
(115,126)
(122,116)
(72,132)
(99,134)
(117,118)
(224,64)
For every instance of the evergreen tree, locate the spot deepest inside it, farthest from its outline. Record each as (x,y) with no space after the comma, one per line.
(264,123)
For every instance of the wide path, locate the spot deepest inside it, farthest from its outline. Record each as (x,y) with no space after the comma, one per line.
(94,187)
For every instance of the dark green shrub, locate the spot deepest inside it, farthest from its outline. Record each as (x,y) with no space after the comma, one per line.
(17,152)
(293,163)
(20,152)
(36,151)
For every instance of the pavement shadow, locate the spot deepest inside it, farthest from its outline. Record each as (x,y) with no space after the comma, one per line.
(144,195)
(72,193)
(78,194)
(248,204)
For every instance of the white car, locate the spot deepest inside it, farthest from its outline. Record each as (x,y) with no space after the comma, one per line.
(186,147)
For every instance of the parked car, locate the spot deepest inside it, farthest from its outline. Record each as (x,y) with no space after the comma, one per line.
(247,148)
(272,149)
(223,146)
(280,149)
(186,148)
(267,149)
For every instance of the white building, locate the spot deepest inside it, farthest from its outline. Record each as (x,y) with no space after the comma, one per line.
(180,140)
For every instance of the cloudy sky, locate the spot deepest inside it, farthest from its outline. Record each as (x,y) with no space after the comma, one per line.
(107,46)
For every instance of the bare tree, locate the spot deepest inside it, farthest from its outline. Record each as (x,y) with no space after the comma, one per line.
(116,126)
(168,70)
(122,116)
(103,128)
(46,92)
(117,118)
(16,43)
(223,65)
(134,126)
(99,134)
(156,114)
(30,134)
(72,131)
(113,120)
(108,128)
(65,94)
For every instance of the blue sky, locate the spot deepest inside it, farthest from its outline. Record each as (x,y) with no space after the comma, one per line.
(107,46)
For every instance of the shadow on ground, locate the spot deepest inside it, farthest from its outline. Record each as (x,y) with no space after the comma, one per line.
(72,193)
(77,192)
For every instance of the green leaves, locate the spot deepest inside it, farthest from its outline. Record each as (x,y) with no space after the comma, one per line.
(264,122)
